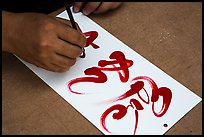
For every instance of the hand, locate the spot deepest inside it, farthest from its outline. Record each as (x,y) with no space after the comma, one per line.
(45,41)
(95,7)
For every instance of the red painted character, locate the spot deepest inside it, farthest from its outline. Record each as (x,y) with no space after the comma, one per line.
(118,58)
(121,65)
(122,111)
(163,92)
(91,36)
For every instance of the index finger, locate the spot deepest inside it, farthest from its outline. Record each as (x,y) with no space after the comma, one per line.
(69,34)
(67,22)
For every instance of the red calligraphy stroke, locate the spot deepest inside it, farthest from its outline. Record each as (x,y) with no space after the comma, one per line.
(120,59)
(164,92)
(136,88)
(122,111)
(91,36)
(100,78)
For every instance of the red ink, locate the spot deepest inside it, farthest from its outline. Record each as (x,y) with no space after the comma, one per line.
(120,59)
(122,111)
(138,106)
(121,65)
(135,104)
(167,95)
(91,36)
(135,88)
(147,102)
(164,92)
(102,78)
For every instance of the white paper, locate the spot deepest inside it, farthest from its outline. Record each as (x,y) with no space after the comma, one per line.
(98,95)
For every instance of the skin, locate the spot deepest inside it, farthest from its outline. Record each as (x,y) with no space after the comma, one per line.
(42,40)
(47,42)
(95,7)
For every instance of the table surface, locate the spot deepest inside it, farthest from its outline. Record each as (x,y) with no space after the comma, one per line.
(167,34)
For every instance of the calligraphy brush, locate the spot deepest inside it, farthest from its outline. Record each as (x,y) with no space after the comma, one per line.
(67,6)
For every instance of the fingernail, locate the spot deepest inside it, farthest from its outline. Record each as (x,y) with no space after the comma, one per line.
(86,12)
(76,9)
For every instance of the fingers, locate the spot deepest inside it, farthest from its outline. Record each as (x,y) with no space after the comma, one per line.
(53,67)
(62,63)
(59,57)
(67,49)
(116,5)
(71,35)
(68,23)
(65,21)
(95,7)
(78,6)
(105,6)
(55,62)
(67,46)
(90,7)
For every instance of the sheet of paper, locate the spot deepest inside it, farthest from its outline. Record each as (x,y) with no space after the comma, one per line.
(118,90)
